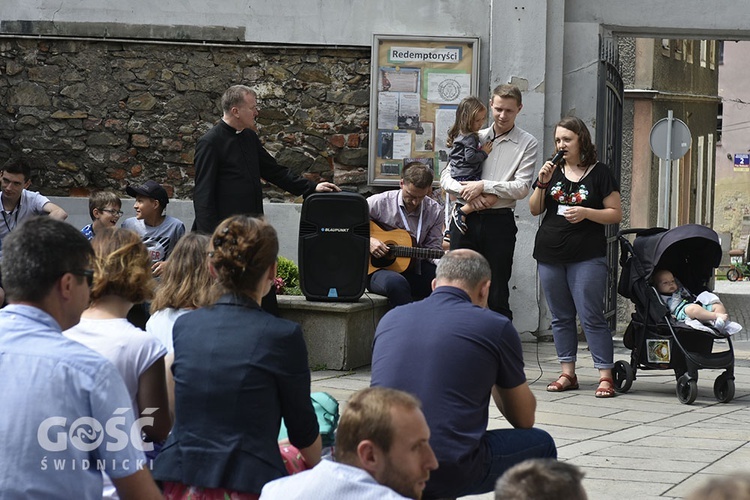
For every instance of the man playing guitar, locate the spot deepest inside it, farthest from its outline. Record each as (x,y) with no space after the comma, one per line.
(409,209)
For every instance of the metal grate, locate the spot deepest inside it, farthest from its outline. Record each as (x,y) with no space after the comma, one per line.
(609,147)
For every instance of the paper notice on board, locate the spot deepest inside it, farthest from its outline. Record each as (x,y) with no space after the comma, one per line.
(408,110)
(387,110)
(423,140)
(399,80)
(385,144)
(401,145)
(448,88)
(444,119)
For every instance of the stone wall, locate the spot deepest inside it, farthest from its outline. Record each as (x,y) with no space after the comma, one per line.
(101,114)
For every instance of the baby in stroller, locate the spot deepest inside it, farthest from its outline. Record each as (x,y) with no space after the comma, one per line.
(694,311)
(706,307)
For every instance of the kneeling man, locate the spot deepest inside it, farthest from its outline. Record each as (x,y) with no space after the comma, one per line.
(452,359)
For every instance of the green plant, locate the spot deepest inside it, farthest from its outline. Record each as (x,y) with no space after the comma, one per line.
(289,273)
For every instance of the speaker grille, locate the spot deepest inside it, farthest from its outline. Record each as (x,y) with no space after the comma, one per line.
(334,246)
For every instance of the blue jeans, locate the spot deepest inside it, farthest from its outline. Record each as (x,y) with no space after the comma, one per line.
(578,287)
(508,447)
(402,288)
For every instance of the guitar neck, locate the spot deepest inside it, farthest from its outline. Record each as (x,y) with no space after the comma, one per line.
(415,253)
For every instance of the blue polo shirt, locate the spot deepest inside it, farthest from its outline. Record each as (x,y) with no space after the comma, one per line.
(66,414)
(449,353)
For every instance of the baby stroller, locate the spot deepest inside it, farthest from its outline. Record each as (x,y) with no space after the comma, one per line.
(657,341)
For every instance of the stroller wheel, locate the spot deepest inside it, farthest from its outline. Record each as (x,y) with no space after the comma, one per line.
(724,388)
(623,376)
(733,274)
(687,389)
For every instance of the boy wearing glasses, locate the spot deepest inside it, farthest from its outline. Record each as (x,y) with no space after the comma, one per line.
(105,209)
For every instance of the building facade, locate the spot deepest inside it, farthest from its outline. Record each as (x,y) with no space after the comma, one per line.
(551,49)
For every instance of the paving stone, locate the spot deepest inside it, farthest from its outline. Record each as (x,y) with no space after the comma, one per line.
(580,448)
(633,433)
(703,456)
(642,476)
(602,489)
(690,484)
(637,461)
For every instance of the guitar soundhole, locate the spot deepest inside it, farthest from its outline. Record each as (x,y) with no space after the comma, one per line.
(384,261)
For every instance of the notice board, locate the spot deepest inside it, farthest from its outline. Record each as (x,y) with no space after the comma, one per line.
(416,85)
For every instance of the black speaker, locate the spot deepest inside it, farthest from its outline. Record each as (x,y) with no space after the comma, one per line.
(334,246)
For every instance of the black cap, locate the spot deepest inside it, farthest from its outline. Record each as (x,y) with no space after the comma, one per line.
(151,189)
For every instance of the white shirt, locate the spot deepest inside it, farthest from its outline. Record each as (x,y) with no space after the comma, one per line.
(508,170)
(160,325)
(329,480)
(129,348)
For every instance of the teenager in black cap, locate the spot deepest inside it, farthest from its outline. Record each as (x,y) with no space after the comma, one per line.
(158,231)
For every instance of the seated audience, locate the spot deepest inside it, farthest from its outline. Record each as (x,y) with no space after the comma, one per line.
(104,210)
(160,232)
(122,277)
(541,479)
(17,203)
(452,358)
(382,451)
(185,285)
(49,383)
(237,371)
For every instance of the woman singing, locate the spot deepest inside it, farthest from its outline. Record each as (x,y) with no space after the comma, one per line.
(578,198)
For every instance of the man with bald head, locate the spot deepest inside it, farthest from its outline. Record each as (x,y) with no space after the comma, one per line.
(456,355)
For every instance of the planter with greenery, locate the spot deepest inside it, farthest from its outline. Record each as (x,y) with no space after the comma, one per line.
(287,278)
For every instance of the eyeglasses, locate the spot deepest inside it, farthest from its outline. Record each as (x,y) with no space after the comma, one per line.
(87,273)
(112,211)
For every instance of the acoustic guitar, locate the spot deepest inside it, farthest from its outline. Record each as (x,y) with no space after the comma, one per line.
(402,250)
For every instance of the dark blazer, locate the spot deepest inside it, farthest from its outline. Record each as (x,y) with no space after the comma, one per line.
(228,170)
(237,370)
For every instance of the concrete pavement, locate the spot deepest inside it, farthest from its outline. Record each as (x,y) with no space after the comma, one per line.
(642,445)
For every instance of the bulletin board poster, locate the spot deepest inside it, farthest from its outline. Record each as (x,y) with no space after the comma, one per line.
(416,85)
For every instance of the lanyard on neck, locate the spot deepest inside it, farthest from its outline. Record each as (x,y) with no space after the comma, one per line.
(406,222)
(496,136)
(15,220)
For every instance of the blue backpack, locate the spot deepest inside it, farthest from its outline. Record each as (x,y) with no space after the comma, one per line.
(327,410)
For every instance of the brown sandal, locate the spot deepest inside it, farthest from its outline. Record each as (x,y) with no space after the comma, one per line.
(605,392)
(556,386)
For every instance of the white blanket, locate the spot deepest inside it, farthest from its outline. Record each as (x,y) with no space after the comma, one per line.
(730,327)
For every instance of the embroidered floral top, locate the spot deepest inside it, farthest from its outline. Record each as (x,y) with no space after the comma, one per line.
(559,241)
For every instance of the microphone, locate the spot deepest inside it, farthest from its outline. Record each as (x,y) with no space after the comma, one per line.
(558,157)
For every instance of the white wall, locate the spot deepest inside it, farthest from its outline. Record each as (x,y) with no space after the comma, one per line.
(321,22)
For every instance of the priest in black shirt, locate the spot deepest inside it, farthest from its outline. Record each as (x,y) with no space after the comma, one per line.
(229,163)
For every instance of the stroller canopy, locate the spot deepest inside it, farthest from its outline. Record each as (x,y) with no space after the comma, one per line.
(691,252)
